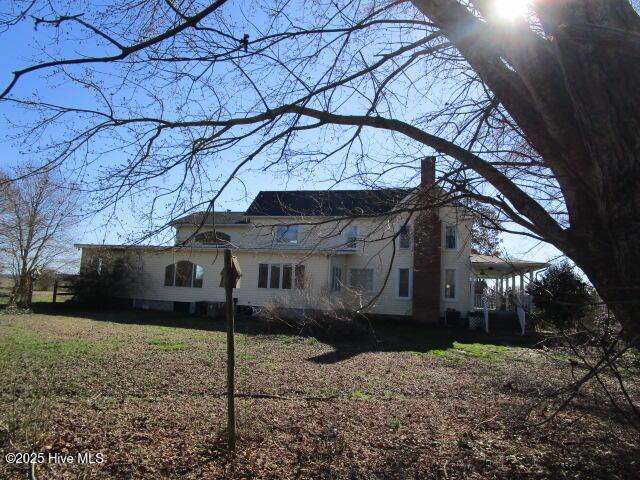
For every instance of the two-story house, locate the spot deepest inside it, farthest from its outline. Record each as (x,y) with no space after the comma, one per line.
(367,250)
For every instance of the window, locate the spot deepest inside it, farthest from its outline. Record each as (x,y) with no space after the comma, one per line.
(450,237)
(198,277)
(299,277)
(361,279)
(274,282)
(405,237)
(287,233)
(278,276)
(351,234)
(404,283)
(336,279)
(450,284)
(263,275)
(183,274)
(212,238)
(169,274)
(287,277)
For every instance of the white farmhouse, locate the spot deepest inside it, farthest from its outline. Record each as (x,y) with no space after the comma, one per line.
(369,250)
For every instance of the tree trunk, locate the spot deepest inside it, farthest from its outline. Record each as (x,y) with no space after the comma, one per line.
(613,266)
(574,93)
(22,292)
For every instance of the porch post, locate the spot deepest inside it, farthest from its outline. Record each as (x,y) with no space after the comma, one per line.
(513,289)
(472,291)
(521,282)
(485,313)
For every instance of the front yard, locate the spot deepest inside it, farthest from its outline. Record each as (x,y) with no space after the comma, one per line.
(38,296)
(146,390)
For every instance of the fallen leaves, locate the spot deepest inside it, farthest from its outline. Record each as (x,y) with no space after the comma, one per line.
(150,400)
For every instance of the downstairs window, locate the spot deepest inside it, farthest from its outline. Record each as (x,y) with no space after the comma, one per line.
(361,279)
(183,274)
(281,276)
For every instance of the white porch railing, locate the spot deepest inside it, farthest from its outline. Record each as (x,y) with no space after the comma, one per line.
(523,304)
(479,301)
(519,302)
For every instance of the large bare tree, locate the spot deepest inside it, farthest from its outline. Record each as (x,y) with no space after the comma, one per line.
(36,219)
(531,106)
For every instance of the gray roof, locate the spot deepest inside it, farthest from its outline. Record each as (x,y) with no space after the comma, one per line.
(332,203)
(207,218)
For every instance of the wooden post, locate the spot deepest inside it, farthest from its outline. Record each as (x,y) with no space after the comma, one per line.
(55,290)
(231,409)
(472,296)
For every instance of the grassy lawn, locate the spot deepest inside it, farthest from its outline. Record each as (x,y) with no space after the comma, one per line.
(38,296)
(146,390)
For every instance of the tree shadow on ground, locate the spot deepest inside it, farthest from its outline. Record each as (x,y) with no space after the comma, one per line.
(375,335)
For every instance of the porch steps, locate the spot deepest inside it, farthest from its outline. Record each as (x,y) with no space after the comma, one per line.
(504,321)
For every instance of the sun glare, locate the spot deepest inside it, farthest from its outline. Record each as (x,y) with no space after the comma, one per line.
(511,9)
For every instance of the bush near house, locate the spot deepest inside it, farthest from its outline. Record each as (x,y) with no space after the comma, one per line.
(45,280)
(322,317)
(561,296)
(104,278)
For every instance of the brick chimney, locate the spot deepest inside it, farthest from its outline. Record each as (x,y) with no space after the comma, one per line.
(426,252)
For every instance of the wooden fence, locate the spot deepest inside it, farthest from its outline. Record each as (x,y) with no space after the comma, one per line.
(63,286)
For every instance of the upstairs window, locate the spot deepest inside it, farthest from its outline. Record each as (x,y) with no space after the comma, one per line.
(404,237)
(351,236)
(183,274)
(212,238)
(450,237)
(361,279)
(287,234)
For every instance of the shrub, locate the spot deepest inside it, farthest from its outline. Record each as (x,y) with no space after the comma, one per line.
(45,279)
(106,278)
(561,297)
(323,317)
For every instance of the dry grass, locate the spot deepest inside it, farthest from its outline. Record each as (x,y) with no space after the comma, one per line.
(38,296)
(145,390)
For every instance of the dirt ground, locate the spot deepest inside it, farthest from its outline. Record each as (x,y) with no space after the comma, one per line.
(145,390)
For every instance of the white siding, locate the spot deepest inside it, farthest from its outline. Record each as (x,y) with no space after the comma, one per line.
(458,260)
(153,267)
(375,251)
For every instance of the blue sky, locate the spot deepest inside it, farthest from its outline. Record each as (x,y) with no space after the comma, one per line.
(124,223)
